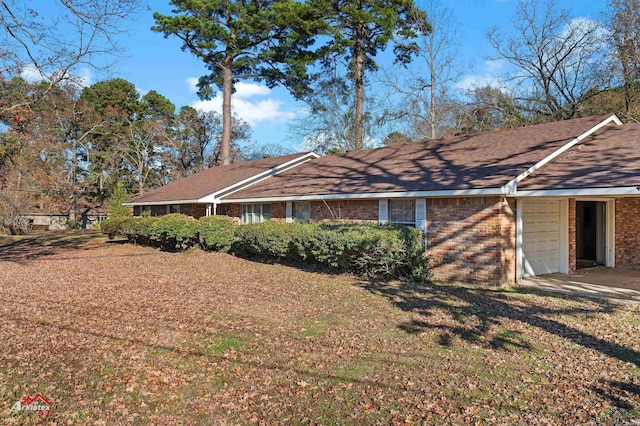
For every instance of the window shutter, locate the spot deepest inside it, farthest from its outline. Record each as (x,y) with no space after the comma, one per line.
(421,216)
(289,212)
(383,211)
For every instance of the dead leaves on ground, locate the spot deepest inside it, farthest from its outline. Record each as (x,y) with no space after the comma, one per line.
(122,334)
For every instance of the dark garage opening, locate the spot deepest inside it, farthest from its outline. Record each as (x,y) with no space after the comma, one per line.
(590,233)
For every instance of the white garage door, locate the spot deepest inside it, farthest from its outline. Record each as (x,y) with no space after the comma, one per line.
(540,237)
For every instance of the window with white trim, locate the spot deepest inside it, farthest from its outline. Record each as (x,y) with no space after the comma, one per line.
(402,211)
(255,213)
(173,208)
(302,211)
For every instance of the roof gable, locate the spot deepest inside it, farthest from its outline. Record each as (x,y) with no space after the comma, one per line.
(216,179)
(611,158)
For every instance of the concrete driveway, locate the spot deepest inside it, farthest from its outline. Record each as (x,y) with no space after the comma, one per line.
(621,285)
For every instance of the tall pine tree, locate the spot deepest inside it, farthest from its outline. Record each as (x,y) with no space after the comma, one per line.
(261,40)
(359,30)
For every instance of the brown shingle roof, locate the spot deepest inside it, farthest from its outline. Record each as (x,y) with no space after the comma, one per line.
(211,180)
(486,160)
(611,158)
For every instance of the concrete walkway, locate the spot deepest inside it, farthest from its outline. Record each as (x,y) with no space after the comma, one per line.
(620,285)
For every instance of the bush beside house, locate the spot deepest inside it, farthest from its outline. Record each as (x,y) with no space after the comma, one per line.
(369,250)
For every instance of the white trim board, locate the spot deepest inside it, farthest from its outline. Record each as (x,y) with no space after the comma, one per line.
(580,192)
(161,203)
(510,188)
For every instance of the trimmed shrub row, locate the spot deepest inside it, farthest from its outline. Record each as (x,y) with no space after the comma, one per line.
(174,231)
(366,249)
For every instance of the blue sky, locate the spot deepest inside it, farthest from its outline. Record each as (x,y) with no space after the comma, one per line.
(152,62)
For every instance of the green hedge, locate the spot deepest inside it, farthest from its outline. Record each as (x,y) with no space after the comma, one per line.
(216,233)
(268,239)
(369,250)
(174,231)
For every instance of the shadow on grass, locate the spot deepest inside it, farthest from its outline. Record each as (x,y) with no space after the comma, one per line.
(31,247)
(476,312)
(618,393)
(303,266)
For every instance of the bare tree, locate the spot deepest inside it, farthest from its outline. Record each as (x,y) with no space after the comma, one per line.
(427,104)
(330,120)
(623,22)
(50,39)
(556,59)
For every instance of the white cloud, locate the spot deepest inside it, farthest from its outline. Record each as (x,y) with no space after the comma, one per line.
(490,76)
(192,82)
(32,74)
(250,110)
(82,78)
(243,90)
(247,90)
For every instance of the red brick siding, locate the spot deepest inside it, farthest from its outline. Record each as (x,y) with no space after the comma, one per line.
(471,239)
(158,210)
(628,232)
(279,212)
(231,210)
(194,210)
(345,210)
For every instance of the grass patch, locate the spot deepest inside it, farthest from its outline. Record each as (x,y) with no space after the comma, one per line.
(222,344)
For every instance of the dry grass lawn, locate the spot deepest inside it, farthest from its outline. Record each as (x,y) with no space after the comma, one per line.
(117,334)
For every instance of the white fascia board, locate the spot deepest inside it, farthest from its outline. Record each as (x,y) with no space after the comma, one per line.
(214,197)
(161,203)
(510,188)
(581,192)
(372,195)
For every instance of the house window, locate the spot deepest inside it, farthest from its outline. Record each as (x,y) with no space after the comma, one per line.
(402,211)
(255,213)
(302,211)
(174,208)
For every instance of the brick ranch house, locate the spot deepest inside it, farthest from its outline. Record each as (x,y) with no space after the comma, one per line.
(495,207)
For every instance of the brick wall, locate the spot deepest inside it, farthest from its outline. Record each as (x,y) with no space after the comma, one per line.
(628,232)
(279,211)
(158,210)
(231,210)
(345,210)
(194,210)
(472,239)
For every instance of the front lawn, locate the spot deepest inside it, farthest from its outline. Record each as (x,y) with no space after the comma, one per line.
(113,333)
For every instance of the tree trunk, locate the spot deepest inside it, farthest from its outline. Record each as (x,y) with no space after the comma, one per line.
(432,91)
(227,88)
(358,71)
(74,162)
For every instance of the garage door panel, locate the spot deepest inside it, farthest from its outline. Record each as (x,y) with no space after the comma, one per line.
(541,237)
